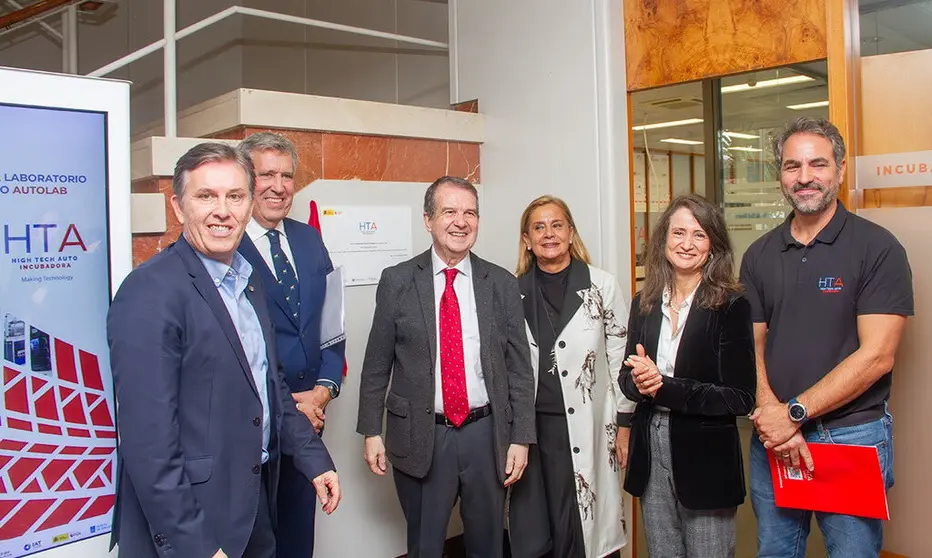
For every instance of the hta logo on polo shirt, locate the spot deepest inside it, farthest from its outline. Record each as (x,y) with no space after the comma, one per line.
(830,284)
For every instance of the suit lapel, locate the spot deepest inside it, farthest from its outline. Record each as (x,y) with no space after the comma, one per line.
(206,288)
(249,251)
(303,264)
(650,335)
(577,281)
(482,291)
(424,283)
(696,321)
(529,295)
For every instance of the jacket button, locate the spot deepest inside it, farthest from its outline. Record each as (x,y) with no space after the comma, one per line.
(571,410)
(256,421)
(300,375)
(428,410)
(159,539)
(576,450)
(564,373)
(562,344)
(256,469)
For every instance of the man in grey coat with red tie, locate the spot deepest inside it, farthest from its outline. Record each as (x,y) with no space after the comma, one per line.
(448,334)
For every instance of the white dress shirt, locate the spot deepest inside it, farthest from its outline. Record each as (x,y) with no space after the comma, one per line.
(462,285)
(259,236)
(669,344)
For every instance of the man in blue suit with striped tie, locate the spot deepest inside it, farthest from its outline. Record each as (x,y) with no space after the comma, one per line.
(292,262)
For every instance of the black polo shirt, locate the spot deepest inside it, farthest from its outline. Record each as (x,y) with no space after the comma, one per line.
(810,298)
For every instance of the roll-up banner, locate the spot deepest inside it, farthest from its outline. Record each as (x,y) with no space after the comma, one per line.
(64,246)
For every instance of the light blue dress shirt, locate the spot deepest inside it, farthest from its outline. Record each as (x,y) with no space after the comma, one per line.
(231,282)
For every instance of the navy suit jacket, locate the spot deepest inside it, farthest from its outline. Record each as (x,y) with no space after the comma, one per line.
(189,415)
(299,340)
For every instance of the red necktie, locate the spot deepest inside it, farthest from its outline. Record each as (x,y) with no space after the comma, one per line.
(452,363)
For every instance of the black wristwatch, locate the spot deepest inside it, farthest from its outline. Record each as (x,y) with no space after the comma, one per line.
(797,411)
(334,392)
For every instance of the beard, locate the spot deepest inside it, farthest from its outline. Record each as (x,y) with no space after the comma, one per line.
(812,205)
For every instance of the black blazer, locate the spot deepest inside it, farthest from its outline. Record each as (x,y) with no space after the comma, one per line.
(714,380)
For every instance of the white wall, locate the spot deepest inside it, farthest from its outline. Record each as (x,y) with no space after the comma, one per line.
(251,52)
(549,77)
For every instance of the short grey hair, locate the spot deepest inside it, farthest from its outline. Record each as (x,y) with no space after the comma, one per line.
(810,125)
(430,205)
(269,141)
(210,152)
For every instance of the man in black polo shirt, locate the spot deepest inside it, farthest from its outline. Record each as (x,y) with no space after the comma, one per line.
(830,293)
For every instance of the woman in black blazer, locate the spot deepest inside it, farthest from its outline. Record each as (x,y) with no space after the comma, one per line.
(691,370)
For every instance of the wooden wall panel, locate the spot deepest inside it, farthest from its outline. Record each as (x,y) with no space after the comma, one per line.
(674,41)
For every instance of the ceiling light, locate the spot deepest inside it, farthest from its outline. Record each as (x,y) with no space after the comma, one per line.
(805,106)
(766,83)
(669,124)
(740,135)
(742,148)
(681,141)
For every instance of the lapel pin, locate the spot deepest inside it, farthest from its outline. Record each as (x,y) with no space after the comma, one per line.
(251,288)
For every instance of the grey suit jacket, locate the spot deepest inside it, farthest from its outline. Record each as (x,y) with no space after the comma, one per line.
(402,348)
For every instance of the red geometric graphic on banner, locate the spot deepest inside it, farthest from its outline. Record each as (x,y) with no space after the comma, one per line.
(15,397)
(24,518)
(80,474)
(6,506)
(74,412)
(21,470)
(85,470)
(49,429)
(55,470)
(64,361)
(46,407)
(64,513)
(90,370)
(63,393)
(42,448)
(102,505)
(100,416)
(12,445)
(37,384)
(17,424)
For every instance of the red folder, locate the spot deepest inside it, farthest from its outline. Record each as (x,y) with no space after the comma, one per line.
(847,479)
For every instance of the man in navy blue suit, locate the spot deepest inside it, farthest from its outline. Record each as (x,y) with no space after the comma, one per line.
(203,413)
(292,262)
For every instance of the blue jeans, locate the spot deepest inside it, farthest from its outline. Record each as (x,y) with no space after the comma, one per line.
(782,532)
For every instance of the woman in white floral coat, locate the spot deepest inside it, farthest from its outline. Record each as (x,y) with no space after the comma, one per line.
(569,502)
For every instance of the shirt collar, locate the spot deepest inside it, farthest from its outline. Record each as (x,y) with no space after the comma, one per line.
(827,235)
(438,265)
(219,270)
(687,302)
(257,231)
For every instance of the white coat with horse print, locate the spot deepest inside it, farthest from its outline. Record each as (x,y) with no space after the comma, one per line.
(587,357)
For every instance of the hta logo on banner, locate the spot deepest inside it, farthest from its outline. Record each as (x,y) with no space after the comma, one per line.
(368,227)
(830,284)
